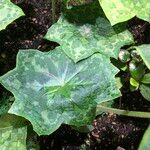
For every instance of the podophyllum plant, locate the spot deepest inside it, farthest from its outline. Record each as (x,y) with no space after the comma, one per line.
(70,83)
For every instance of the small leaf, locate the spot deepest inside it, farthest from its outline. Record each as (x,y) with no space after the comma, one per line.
(8,13)
(145,91)
(50,89)
(137,70)
(144,51)
(119,82)
(145,144)
(123,10)
(146,78)
(134,83)
(124,56)
(81,39)
(13,132)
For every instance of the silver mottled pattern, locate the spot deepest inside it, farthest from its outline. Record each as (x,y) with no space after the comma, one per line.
(8,13)
(50,89)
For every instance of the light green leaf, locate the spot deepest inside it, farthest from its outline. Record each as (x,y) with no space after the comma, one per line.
(144,51)
(123,10)
(13,132)
(145,143)
(50,89)
(145,91)
(8,13)
(134,83)
(81,39)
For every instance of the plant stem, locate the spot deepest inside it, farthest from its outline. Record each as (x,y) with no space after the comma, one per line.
(138,114)
(53,10)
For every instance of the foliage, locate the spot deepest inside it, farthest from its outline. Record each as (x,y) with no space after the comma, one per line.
(5,103)
(145,145)
(145,91)
(49,92)
(69,84)
(80,40)
(13,132)
(124,10)
(144,51)
(8,13)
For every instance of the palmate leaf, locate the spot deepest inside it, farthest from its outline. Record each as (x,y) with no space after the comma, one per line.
(81,34)
(8,13)
(144,51)
(50,89)
(13,132)
(123,10)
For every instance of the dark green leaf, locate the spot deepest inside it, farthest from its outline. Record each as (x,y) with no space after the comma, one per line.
(5,103)
(137,70)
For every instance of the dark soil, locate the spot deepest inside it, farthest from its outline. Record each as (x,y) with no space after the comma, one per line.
(111,132)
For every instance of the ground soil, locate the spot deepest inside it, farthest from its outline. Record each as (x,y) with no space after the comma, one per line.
(111,132)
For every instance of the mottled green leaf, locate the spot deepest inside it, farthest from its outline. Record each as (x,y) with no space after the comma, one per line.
(145,91)
(144,51)
(123,10)
(50,89)
(13,132)
(145,143)
(8,13)
(80,39)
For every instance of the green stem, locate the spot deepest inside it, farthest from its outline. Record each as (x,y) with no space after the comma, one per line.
(131,48)
(53,10)
(138,114)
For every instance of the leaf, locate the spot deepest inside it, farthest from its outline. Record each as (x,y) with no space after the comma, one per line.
(134,83)
(123,10)
(5,103)
(81,39)
(145,144)
(13,132)
(145,91)
(146,79)
(144,51)
(50,89)
(8,13)
(32,139)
